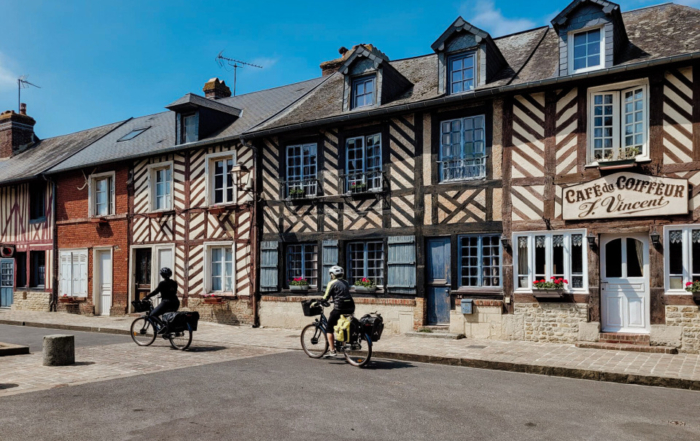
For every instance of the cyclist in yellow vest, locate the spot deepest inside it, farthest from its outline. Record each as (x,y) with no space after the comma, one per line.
(339,290)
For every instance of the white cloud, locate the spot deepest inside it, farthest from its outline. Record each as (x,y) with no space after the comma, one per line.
(8,78)
(485,15)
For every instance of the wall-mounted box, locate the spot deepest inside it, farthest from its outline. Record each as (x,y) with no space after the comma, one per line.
(467,306)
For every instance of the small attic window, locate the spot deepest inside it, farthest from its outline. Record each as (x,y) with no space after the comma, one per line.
(133,134)
(461,73)
(586,50)
(363,91)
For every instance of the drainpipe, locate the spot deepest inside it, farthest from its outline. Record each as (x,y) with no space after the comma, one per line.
(254,237)
(54,288)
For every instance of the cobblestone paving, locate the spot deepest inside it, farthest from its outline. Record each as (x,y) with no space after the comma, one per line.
(236,338)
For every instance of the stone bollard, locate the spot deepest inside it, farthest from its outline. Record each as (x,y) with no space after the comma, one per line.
(59,350)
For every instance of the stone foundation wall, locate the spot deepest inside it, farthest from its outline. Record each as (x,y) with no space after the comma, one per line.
(230,312)
(31,301)
(688,318)
(285,312)
(548,322)
(485,322)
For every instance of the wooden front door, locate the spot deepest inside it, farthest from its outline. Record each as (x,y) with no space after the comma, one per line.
(438,281)
(7,278)
(142,272)
(104,275)
(625,284)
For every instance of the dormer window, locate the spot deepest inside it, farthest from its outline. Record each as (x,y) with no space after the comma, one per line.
(363,91)
(586,50)
(188,128)
(461,75)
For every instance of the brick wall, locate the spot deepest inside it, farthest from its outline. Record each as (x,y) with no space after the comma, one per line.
(76,231)
(230,312)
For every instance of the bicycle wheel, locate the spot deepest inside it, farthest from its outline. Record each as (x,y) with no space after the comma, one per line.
(314,341)
(360,357)
(181,340)
(142,332)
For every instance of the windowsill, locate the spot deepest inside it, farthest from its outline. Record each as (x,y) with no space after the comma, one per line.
(679,292)
(642,160)
(586,70)
(365,192)
(456,181)
(37,220)
(475,290)
(570,292)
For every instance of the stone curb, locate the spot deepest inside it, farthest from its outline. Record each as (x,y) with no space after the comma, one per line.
(9,349)
(443,335)
(66,327)
(580,374)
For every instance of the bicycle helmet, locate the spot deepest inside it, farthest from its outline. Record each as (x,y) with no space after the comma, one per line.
(166,272)
(337,271)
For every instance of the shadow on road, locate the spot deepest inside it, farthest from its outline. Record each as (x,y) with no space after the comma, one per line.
(83,363)
(8,386)
(207,349)
(384,365)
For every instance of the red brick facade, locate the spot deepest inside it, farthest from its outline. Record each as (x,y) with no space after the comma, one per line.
(77,230)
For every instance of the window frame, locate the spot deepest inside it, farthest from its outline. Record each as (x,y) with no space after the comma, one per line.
(530,235)
(687,257)
(209,172)
(136,132)
(92,193)
(475,71)
(153,170)
(365,244)
(37,192)
(570,47)
(302,176)
(208,270)
(363,79)
(33,270)
(72,252)
(304,264)
(617,90)
(365,170)
(480,237)
(462,153)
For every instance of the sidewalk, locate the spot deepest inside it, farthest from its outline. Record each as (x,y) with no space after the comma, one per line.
(676,371)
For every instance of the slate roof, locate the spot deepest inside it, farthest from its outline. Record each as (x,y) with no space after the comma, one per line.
(254,108)
(200,101)
(654,33)
(48,152)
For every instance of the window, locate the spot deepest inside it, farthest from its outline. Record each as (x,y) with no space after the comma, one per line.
(682,256)
(37,268)
(301,170)
(133,134)
(162,187)
(189,128)
(221,190)
(302,261)
(74,273)
(461,73)
(618,122)
(363,92)
(480,261)
(366,260)
(102,194)
(364,163)
(21,269)
(586,50)
(462,149)
(543,255)
(221,279)
(37,202)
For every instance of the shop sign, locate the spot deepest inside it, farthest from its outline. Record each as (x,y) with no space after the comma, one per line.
(625,195)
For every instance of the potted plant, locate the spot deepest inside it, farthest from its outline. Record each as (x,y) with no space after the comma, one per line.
(365,285)
(554,288)
(694,288)
(357,187)
(211,299)
(299,284)
(296,193)
(626,158)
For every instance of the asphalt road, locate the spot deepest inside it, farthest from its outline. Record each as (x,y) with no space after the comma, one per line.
(290,397)
(33,337)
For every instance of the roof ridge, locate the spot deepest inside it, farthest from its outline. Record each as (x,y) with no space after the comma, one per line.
(86,130)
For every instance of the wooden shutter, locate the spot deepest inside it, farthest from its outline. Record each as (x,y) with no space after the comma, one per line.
(269,266)
(329,259)
(66,274)
(401,262)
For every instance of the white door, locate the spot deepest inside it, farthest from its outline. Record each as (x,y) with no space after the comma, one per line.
(164,259)
(625,284)
(104,280)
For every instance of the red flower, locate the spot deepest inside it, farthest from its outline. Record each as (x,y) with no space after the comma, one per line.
(687,284)
(552,277)
(566,281)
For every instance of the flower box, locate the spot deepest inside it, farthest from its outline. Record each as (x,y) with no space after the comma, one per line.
(696,297)
(67,300)
(299,288)
(616,164)
(213,301)
(366,289)
(552,293)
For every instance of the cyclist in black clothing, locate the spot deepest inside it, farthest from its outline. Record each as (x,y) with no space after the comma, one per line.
(339,290)
(167,289)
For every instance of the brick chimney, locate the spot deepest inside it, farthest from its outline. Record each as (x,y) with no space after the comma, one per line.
(16,131)
(216,89)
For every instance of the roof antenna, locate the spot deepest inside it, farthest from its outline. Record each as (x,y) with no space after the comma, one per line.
(22,83)
(222,61)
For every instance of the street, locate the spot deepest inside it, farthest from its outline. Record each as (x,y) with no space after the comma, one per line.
(286,395)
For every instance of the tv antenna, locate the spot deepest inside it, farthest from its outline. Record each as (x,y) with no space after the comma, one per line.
(22,83)
(235,64)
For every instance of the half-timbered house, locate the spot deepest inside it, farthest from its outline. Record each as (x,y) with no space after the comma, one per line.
(28,209)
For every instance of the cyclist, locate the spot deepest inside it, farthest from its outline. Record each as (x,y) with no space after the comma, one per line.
(167,289)
(339,290)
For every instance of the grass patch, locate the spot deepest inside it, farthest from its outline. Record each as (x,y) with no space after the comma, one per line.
(426,330)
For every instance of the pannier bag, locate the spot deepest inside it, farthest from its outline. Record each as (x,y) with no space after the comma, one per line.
(372,325)
(178,321)
(310,311)
(141,305)
(341,331)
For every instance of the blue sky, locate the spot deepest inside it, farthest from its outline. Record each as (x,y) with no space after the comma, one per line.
(101,61)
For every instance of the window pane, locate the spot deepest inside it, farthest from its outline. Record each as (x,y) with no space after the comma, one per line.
(558,256)
(635,258)
(675,252)
(576,261)
(470,261)
(523,267)
(695,253)
(490,261)
(613,258)
(540,257)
